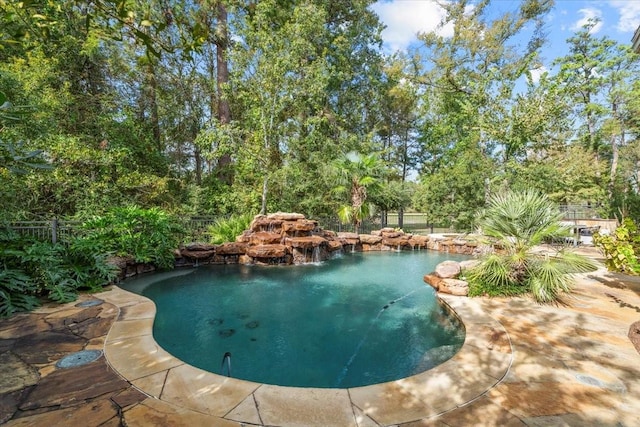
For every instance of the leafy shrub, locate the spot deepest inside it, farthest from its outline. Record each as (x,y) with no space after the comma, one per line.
(147,235)
(622,248)
(518,222)
(17,292)
(226,230)
(31,270)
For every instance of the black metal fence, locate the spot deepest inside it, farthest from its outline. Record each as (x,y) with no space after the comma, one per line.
(61,231)
(417,223)
(195,228)
(573,212)
(55,230)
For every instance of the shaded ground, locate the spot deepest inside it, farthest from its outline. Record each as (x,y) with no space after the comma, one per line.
(33,391)
(574,365)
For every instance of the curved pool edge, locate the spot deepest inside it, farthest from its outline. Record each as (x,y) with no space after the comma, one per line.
(482,362)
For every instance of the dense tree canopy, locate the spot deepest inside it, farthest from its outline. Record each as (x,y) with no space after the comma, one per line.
(230,106)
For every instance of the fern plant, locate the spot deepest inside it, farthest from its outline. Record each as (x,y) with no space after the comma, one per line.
(147,235)
(31,271)
(17,292)
(226,230)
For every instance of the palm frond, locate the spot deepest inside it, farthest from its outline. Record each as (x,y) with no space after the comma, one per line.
(573,263)
(526,216)
(494,269)
(520,221)
(547,279)
(345,214)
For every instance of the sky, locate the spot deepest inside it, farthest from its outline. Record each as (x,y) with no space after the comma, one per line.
(619,19)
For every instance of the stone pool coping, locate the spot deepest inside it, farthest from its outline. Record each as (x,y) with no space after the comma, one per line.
(481,364)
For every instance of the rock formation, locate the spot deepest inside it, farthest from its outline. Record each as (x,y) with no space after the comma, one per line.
(445,279)
(285,238)
(290,238)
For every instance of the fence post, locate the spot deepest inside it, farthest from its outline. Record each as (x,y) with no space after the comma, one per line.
(54,231)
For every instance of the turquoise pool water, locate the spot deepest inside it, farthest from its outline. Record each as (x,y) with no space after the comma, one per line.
(355,320)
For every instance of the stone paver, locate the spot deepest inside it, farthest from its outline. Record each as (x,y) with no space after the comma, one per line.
(202,391)
(34,392)
(292,406)
(153,412)
(523,364)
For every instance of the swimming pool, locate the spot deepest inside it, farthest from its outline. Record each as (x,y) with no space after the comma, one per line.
(356,320)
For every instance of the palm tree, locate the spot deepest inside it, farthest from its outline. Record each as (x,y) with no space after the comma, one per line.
(354,174)
(517,222)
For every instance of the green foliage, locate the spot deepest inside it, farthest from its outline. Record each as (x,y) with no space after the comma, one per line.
(493,277)
(354,175)
(227,229)
(282,98)
(561,175)
(450,195)
(147,235)
(14,157)
(17,291)
(31,270)
(516,223)
(308,80)
(622,248)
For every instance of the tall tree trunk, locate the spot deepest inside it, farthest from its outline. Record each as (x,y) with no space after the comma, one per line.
(152,88)
(222,69)
(265,187)
(213,98)
(636,182)
(614,153)
(197,154)
(591,128)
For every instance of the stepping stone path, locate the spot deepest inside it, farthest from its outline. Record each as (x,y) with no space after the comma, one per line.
(33,391)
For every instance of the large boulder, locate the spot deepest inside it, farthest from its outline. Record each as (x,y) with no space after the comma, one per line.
(309,242)
(419,241)
(299,225)
(197,254)
(448,269)
(447,286)
(286,216)
(432,280)
(264,238)
(454,287)
(370,239)
(634,335)
(334,245)
(396,242)
(391,233)
(267,251)
(469,264)
(349,238)
(199,246)
(232,248)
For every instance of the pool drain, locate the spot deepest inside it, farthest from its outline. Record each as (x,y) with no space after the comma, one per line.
(78,359)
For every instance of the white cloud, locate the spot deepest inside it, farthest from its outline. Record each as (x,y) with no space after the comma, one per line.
(588,13)
(536,73)
(405,18)
(629,14)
